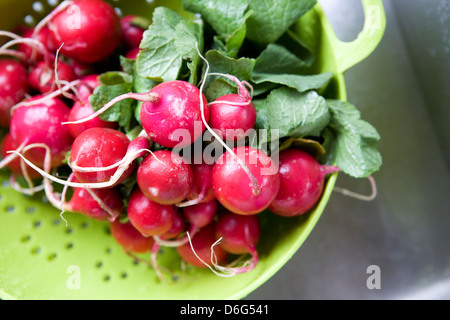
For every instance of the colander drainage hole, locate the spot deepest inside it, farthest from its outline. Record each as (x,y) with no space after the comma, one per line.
(36,250)
(52,257)
(9,209)
(31,209)
(37,224)
(69,246)
(25,238)
(99,264)
(106,278)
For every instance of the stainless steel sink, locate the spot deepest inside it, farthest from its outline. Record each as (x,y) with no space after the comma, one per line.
(397,246)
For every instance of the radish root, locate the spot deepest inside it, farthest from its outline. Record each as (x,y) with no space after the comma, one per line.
(359,196)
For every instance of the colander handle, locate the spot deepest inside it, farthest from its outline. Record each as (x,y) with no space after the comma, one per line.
(349,54)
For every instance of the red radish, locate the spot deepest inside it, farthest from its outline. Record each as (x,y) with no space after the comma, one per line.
(172,113)
(232,117)
(202,249)
(165,177)
(234,187)
(98,204)
(15,165)
(239,235)
(233,114)
(40,122)
(82,109)
(129,238)
(149,217)
(89,29)
(200,215)
(99,148)
(43,36)
(174,119)
(42,76)
(132,30)
(202,188)
(88,84)
(98,175)
(13,87)
(32,43)
(301,182)
(175,230)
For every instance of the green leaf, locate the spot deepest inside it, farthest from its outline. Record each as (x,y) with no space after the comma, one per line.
(299,82)
(296,114)
(271,18)
(278,60)
(112,85)
(140,84)
(189,42)
(167,44)
(241,68)
(159,59)
(224,16)
(354,147)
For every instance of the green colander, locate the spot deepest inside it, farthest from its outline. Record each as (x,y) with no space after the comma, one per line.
(42,258)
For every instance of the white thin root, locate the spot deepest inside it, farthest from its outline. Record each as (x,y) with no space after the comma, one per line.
(94,185)
(146,97)
(359,196)
(63,5)
(27,103)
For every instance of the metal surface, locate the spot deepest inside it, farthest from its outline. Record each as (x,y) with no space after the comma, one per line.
(397,246)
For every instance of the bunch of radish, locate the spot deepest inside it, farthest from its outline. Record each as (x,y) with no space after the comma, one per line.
(149,193)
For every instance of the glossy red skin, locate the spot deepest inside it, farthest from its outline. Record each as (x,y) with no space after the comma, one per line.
(202,182)
(99,147)
(232,121)
(81,110)
(238,232)
(15,166)
(13,87)
(88,85)
(165,177)
(41,123)
(177,108)
(129,238)
(233,187)
(176,229)
(96,37)
(202,242)
(82,202)
(301,183)
(131,33)
(44,37)
(149,217)
(201,214)
(42,76)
